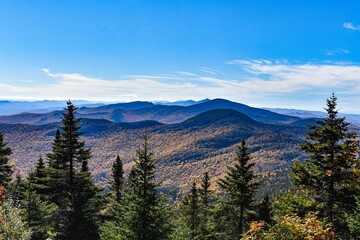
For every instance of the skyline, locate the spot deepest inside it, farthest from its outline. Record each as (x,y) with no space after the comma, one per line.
(286,55)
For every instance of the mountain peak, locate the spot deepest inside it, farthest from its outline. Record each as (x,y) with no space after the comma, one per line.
(219,115)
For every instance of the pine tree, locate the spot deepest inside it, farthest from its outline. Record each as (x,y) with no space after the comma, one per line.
(191,206)
(40,179)
(117,183)
(240,186)
(73,151)
(71,187)
(58,185)
(37,212)
(85,207)
(5,169)
(206,200)
(55,158)
(146,214)
(38,209)
(329,172)
(205,190)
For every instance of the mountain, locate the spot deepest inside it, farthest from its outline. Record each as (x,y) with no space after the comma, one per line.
(353,118)
(144,111)
(305,122)
(32,118)
(123,106)
(258,114)
(16,107)
(205,142)
(217,116)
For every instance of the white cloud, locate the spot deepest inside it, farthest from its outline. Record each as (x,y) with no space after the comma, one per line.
(278,83)
(269,77)
(209,70)
(337,51)
(351,26)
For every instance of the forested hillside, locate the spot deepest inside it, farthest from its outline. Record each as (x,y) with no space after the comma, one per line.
(226,165)
(185,150)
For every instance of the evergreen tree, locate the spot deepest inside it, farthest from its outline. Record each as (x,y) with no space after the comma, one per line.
(85,207)
(191,210)
(37,211)
(71,187)
(329,173)
(206,200)
(55,158)
(113,212)
(146,213)
(17,188)
(240,186)
(40,179)
(117,183)
(58,185)
(264,210)
(5,169)
(205,190)
(73,151)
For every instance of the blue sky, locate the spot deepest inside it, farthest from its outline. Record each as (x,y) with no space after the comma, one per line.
(290,54)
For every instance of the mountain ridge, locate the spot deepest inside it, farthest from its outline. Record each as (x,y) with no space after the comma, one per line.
(141,111)
(185,150)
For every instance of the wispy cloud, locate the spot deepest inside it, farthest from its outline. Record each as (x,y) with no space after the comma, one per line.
(351,26)
(336,51)
(276,77)
(260,82)
(209,70)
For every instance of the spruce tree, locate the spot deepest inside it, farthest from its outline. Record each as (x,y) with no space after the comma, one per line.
(73,151)
(146,213)
(85,207)
(191,208)
(205,190)
(117,182)
(37,212)
(240,186)
(59,185)
(330,171)
(5,169)
(71,185)
(40,179)
(55,158)
(206,201)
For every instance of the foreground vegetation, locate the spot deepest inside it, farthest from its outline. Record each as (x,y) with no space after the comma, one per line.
(59,200)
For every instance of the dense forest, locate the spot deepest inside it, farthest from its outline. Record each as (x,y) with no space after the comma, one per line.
(59,199)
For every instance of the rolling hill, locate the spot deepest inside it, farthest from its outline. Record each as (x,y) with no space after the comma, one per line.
(205,142)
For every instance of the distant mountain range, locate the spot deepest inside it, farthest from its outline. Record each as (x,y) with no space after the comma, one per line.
(188,140)
(15,107)
(143,111)
(45,106)
(353,118)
